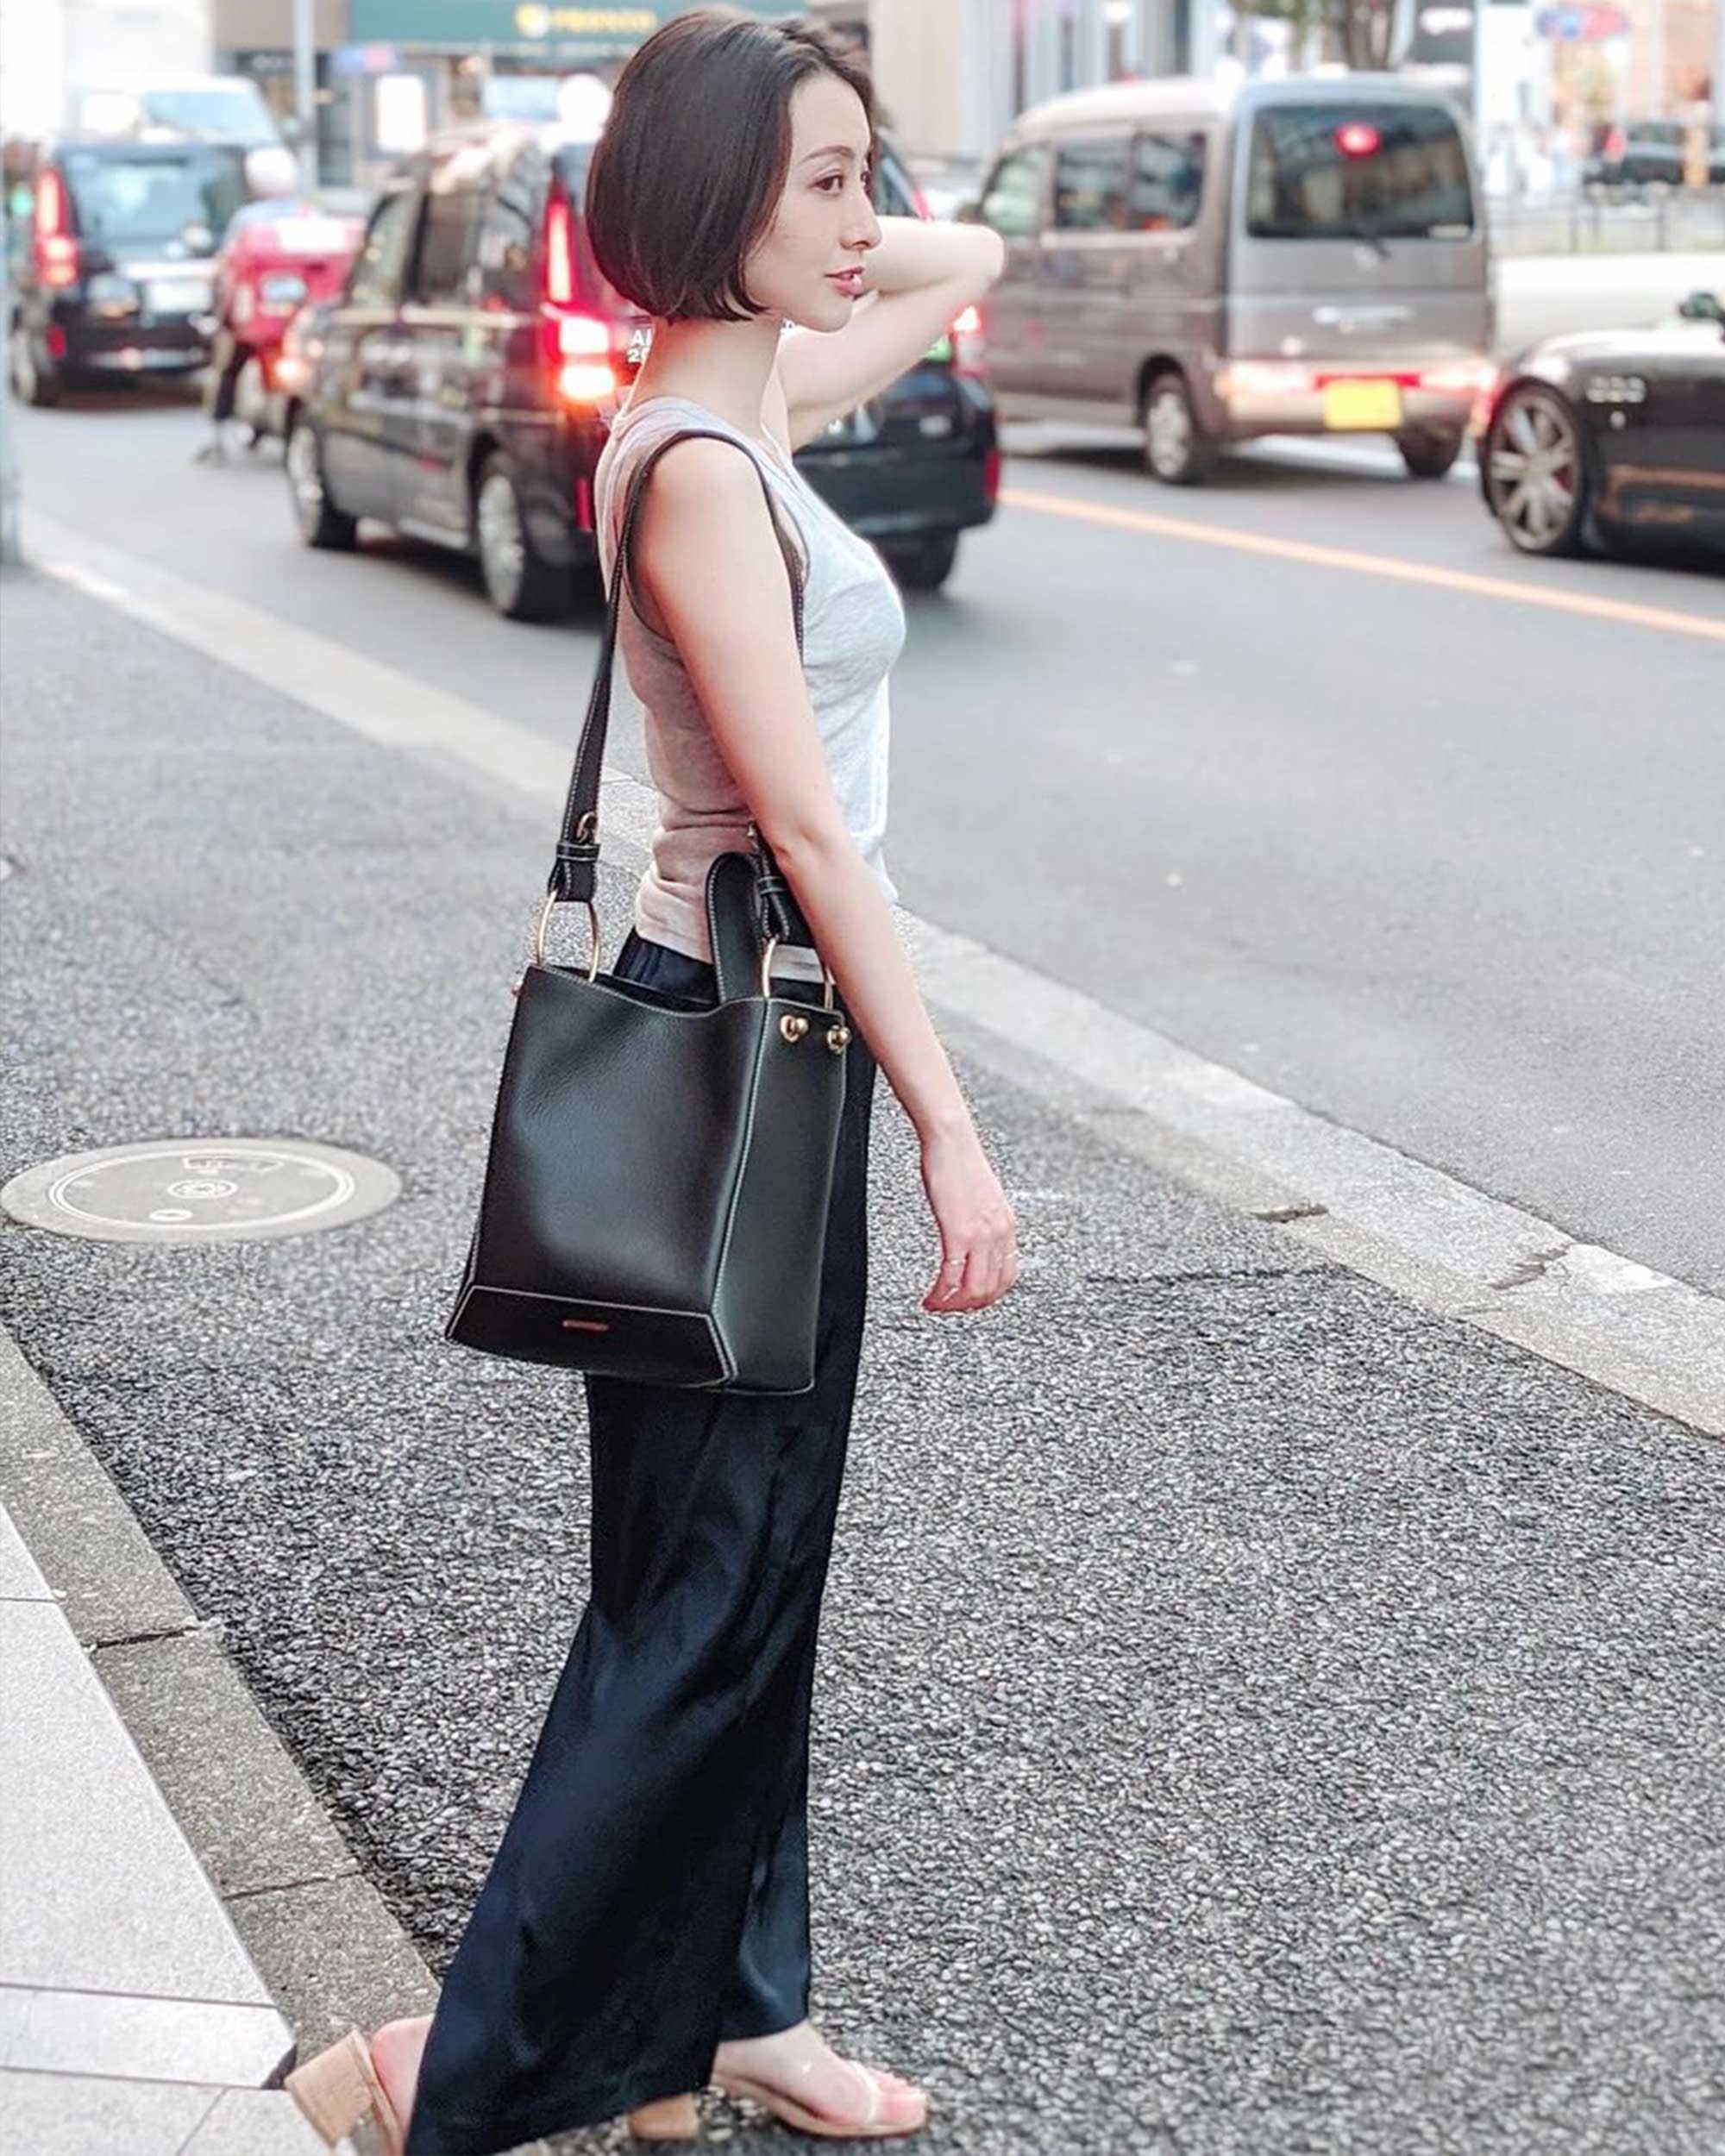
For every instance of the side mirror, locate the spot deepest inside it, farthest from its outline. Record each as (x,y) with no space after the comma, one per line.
(1702,306)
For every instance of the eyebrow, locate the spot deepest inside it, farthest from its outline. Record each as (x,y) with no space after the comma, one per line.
(834,149)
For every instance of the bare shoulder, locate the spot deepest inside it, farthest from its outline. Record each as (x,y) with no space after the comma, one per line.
(703,476)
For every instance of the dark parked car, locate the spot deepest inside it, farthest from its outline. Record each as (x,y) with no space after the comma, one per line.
(1587,439)
(114,262)
(462,386)
(1652,154)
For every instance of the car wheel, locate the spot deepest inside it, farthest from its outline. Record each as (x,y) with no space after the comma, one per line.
(1176,449)
(519,580)
(32,385)
(927,566)
(321,524)
(1535,474)
(1429,452)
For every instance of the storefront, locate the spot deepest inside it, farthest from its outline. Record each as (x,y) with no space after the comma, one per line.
(411,67)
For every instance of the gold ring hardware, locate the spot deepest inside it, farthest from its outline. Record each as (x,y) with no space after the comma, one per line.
(552,899)
(827,993)
(838,1038)
(794,1025)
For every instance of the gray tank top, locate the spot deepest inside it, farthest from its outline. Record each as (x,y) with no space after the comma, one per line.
(853,629)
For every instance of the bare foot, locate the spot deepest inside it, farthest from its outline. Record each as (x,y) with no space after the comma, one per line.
(397,2050)
(799,2062)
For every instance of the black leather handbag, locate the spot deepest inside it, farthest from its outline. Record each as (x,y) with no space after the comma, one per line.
(655,1197)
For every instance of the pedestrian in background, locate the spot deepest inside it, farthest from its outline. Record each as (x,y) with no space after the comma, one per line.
(644,1929)
(272,177)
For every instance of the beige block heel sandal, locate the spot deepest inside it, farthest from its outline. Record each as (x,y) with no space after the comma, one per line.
(339,2091)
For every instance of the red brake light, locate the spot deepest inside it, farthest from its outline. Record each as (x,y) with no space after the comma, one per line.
(51,205)
(1358,138)
(560,253)
(969,346)
(56,251)
(578,347)
(991,475)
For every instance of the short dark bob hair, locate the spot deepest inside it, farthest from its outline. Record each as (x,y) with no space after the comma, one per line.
(688,171)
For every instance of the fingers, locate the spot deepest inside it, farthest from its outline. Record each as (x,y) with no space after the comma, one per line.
(973,1277)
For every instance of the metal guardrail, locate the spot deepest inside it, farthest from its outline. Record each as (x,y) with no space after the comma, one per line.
(1601,221)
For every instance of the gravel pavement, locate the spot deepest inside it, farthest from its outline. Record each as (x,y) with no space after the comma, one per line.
(1256,1717)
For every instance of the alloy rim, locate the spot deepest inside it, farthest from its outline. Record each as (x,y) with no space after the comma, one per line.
(304,475)
(1170,432)
(503,549)
(1535,470)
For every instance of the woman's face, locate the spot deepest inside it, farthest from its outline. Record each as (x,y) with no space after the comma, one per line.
(806,264)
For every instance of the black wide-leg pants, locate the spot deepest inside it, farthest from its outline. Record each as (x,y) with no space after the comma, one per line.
(649,1897)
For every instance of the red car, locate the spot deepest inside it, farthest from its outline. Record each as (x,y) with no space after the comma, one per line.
(271,268)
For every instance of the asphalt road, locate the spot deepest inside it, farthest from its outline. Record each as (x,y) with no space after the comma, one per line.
(1442,864)
(1258,1717)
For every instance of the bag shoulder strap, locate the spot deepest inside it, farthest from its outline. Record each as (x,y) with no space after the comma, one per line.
(573,874)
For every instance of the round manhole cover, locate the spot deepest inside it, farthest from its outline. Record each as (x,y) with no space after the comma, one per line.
(178,1191)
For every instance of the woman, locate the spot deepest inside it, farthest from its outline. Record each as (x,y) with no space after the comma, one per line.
(644,1929)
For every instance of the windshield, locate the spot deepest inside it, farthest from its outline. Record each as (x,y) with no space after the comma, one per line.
(1357,171)
(144,194)
(234,113)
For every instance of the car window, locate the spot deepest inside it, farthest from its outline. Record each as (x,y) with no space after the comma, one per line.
(1167,182)
(449,246)
(1012,201)
(152,195)
(376,277)
(892,189)
(1355,170)
(509,229)
(1090,185)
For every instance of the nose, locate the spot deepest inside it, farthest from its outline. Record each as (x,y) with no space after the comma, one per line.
(864,228)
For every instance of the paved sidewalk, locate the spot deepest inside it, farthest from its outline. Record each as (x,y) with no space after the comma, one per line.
(1259,1717)
(133,2021)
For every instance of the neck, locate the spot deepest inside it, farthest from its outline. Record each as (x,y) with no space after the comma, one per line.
(722,365)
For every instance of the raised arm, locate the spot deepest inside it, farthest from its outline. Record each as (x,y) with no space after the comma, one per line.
(916,283)
(709,561)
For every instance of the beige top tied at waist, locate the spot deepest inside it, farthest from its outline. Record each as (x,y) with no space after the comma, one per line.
(853,629)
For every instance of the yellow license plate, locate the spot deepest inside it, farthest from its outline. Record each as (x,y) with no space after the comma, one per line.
(1371,406)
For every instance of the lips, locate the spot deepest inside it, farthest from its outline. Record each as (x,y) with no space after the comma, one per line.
(848,280)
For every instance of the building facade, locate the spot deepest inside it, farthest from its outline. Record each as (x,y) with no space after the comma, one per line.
(951,74)
(53,51)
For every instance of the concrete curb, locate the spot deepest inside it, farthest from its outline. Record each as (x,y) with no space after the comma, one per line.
(185,1905)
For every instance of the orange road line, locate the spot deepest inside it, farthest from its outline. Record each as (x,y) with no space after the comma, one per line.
(1670,618)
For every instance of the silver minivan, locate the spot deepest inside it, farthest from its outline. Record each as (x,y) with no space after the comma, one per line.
(1305,256)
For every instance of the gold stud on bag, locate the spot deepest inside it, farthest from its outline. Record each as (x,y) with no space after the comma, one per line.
(655,1193)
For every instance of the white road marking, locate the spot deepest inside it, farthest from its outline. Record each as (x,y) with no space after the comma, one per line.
(1444,1246)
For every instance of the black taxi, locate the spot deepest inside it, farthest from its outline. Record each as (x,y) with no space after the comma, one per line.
(462,388)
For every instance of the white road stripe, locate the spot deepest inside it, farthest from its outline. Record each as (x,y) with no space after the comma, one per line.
(1433,1239)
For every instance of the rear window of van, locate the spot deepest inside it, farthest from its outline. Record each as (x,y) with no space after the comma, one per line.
(1358,171)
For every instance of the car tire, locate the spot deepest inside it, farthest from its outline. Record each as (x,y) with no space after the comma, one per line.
(520,581)
(31,383)
(1176,450)
(1536,481)
(1429,453)
(927,566)
(321,525)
